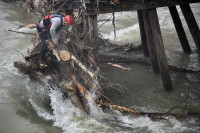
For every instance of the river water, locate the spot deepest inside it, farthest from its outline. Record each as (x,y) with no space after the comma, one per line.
(27,106)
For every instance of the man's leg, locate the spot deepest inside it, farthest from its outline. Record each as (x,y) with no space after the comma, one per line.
(43,46)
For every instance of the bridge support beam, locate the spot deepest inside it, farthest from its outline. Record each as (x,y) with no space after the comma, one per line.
(192,24)
(142,33)
(155,42)
(93,34)
(151,42)
(179,29)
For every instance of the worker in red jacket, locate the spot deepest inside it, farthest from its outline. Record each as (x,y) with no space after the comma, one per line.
(52,24)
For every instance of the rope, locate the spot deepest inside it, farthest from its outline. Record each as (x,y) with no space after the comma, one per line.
(60,7)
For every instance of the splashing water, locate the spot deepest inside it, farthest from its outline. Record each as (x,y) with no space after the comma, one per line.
(28,99)
(66,116)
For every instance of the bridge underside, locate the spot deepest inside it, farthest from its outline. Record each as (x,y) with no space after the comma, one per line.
(104,6)
(151,37)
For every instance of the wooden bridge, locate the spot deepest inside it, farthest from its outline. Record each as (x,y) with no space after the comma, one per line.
(151,37)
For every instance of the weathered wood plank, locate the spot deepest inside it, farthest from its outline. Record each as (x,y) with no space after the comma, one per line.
(92,21)
(192,24)
(158,42)
(93,33)
(179,29)
(151,42)
(27,70)
(130,5)
(85,24)
(142,33)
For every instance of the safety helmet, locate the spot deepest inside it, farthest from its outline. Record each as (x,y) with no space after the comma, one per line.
(69,19)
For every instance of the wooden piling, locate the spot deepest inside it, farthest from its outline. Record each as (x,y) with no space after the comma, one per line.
(192,24)
(150,42)
(93,33)
(179,29)
(152,24)
(142,33)
(92,21)
(85,24)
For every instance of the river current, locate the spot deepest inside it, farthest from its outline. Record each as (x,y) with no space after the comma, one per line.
(27,106)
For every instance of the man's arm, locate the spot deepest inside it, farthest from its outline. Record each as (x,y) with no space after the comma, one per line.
(53,30)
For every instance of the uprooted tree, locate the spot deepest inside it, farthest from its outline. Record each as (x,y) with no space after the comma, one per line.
(77,73)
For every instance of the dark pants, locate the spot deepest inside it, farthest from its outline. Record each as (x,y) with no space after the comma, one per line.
(44,35)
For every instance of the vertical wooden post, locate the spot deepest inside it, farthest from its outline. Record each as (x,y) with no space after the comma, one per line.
(155,33)
(142,33)
(179,29)
(92,21)
(85,24)
(192,24)
(150,42)
(93,33)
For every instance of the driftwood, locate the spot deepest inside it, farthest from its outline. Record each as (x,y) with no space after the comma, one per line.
(82,66)
(27,58)
(77,74)
(72,93)
(27,70)
(119,66)
(21,32)
(65,56)
(73,89)
(128,54)
(78,94)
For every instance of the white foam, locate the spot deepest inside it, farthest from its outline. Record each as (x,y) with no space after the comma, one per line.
(70,118)
(123,35)
(42,112)
(140,122)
